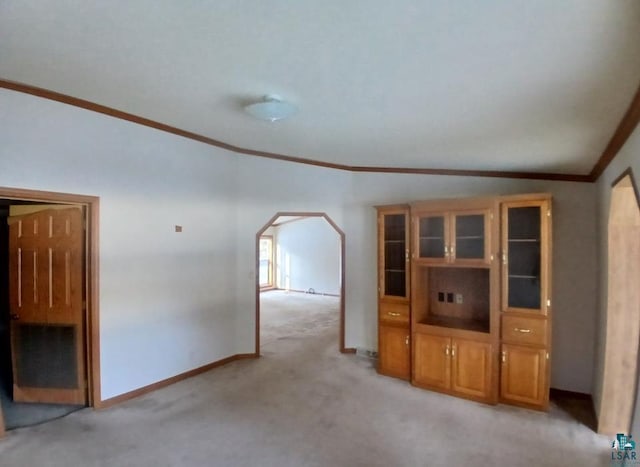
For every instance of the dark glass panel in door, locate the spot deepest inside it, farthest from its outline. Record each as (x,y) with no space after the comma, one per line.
(395,276)
(431,237)
(470,236)
(524,259)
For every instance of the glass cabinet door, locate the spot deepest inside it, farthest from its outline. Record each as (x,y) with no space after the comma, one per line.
(432,238)
(524,262)
(394,255)
(469,237)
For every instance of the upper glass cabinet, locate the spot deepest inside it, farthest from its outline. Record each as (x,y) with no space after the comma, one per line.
(453,237)
(525,261)
(394,254)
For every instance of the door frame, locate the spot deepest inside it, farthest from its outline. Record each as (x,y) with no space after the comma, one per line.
(341,234)
(91,261)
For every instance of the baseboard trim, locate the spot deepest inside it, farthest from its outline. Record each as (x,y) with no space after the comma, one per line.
(310,293)
(169,381)
(572,394)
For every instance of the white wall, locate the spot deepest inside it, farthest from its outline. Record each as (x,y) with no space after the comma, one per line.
(629,156)
(308,256)
(166,299)
(171,302)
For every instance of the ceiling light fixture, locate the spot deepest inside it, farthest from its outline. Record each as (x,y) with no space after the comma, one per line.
(271,108)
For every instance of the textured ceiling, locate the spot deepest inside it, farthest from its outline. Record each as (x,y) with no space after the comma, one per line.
(494,85)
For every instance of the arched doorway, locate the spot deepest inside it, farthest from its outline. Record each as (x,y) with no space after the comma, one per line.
(623,309)
(341,234)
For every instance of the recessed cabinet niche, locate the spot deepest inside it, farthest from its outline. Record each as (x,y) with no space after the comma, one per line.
(464,297)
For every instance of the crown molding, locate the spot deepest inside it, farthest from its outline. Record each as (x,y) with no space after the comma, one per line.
(624,130)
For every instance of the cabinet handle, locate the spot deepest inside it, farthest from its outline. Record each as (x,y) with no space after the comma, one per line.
(406,340)
(446,250)
(523,331)
(406,255)
(453,351)
(446,350)
(452,252)
(504,357)
(504,258)
(393,313)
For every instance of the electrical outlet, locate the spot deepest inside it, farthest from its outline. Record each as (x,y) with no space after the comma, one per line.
(449,297)
(441,296)
(459,298)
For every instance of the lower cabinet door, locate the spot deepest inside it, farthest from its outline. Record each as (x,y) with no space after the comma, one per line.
(471,369)
(431,361)
(394,356)
(523,376)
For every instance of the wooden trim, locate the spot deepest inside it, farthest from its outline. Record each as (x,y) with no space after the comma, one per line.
(2,429)
(111,112)
(278,224)
(475,173)
(628,172)
(623,131)
(92,206)
(340,232)
(174,379)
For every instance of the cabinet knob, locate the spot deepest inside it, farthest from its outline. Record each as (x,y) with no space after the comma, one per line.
(446,350)
(453,351)
(406,340)
(504,356)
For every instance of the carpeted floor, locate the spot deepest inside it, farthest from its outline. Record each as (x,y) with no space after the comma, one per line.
(17,415)
(304,404)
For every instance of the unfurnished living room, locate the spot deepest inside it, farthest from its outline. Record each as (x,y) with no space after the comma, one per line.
(319,233)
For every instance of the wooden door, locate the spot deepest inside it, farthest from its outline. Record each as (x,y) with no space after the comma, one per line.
(394,352)
(46,260)
(470,238)
(393,254)
(523,378)
(431,361)
(526,251)
(431,238)
(471,368)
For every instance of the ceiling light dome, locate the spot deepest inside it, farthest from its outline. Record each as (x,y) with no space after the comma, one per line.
(271,108)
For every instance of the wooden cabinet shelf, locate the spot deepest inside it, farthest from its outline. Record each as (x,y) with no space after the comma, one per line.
(476,325)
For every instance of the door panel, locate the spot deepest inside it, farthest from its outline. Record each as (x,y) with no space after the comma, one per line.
(523,374)
(46,253)
(471,368)
(394,355)
(431,356)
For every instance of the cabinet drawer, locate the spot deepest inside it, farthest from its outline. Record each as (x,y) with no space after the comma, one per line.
(394,312)
(524,330)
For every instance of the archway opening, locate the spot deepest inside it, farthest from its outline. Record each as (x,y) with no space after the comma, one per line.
(260,261)
(623,309)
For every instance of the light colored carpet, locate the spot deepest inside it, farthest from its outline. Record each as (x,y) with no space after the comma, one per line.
(304,404)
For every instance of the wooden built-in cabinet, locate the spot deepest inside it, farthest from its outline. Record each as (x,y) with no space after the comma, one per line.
(464,297)
(526,301)
(394,334)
